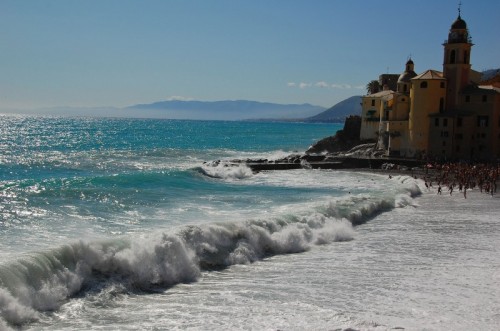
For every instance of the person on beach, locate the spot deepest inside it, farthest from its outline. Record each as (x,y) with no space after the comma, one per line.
(464,176)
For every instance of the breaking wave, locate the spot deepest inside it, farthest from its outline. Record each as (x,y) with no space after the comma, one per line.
(43,281)
(225,170)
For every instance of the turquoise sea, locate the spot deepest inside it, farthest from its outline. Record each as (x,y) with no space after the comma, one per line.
(118,224)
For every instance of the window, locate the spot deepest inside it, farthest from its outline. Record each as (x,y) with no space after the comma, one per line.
(404,88)
(444,143)
(485,98)
(445,122)
(444,134)
(441,105)
(423,85)
(436,122)
(441,85)
(467,98)
(452,56)
(482,121)
(373,102)
(459,122)
(466,57)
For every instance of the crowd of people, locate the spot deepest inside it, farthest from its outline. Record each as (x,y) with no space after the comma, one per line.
(462,177)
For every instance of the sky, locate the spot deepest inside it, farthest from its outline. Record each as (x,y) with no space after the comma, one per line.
(117,53)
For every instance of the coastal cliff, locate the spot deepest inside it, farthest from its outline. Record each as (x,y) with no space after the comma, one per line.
(342,141)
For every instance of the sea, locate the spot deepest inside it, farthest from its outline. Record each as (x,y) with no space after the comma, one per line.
(127,224)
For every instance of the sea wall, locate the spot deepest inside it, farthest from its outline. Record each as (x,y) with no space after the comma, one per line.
(329,162)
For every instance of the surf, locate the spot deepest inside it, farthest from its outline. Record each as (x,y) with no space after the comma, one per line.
(38,282)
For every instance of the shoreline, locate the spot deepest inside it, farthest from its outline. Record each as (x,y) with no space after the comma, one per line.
(444,178)
(299,161)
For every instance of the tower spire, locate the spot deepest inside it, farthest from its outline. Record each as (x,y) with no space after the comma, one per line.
(459,8)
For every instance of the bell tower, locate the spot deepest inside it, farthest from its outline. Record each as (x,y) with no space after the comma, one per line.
(456,65)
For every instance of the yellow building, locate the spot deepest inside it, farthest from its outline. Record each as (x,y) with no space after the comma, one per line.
(438,115)
(427,94)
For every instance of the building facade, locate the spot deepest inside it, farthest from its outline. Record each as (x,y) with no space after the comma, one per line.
(445,115)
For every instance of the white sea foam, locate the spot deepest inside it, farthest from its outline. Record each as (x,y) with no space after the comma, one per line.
(227,171)
(43,281)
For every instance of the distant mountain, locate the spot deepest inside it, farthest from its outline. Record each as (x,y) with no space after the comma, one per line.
(489,74)
(226,110)
(491,77)
(339,112)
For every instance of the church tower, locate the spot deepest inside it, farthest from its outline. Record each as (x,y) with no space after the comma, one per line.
(456,65)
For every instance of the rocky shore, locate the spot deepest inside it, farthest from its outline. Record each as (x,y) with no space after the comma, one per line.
(344,150)
(322,161)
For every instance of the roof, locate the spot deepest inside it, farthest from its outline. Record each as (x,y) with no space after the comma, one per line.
(406,76)
(380,94)
(481,89)
(490,87)
(459,24)
(430,74)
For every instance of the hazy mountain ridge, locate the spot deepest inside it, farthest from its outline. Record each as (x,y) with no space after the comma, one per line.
(223,105)
(339,112)
(229,109)
(489,74)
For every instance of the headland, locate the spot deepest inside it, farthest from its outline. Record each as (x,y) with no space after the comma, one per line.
(345,150)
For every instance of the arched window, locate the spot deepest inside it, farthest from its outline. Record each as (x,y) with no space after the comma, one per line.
(423,85)
(452,56)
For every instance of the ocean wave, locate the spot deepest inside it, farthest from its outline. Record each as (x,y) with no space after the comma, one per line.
(362,207)
(224,170)
(43,281)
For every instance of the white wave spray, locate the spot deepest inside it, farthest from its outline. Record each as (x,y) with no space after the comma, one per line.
(44,281)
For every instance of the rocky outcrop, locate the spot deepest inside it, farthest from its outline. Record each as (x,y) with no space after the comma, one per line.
(342,141)
(344,150)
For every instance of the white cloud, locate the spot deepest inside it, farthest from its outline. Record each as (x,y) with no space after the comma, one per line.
(179,98)
(323,84)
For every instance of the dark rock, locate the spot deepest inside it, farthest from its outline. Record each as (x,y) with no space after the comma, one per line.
(342,141)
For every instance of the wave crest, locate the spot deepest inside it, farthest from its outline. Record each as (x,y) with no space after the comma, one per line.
(225,170)
(44,281)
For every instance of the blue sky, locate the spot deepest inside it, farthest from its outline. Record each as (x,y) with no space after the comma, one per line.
(123,52)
